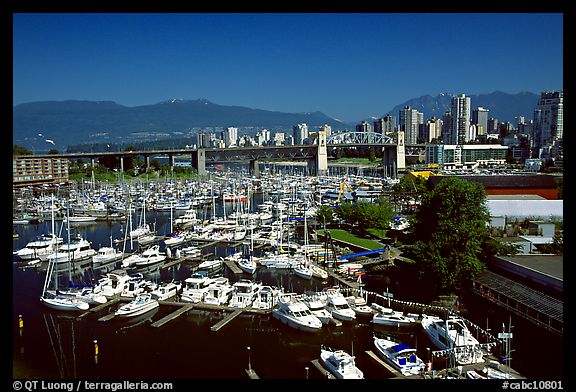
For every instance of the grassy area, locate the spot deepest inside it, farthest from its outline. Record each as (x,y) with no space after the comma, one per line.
(343,235)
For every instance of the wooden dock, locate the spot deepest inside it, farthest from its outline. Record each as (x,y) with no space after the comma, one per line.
(233,266)
(216,327)
(322,369)
(375,357)
(183,309)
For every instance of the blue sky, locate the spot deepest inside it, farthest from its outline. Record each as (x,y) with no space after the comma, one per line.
(348,65)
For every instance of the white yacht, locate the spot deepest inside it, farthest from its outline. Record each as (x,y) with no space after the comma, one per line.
(166,291)
(399,355)
(290,310)
(195,288)
(40,248)
(337,304)
(390,317)
(317,305)
(245,292)
(219,291)
(76,250)
(106,254)
(140,305)
(340,363)
(453,334)
(267,297)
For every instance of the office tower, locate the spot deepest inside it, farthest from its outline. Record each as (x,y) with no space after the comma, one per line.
(460,111)
(385,125)
(363,127)
(480,119)
(409,124)
(300,133)
(230,136)
(548,125)
(493,125)
(446,126)
(431,130)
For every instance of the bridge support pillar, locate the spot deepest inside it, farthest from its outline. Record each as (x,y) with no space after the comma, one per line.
(121,164)
(199,161)
(171,160)
(93,162)
(254,168)
(321,155)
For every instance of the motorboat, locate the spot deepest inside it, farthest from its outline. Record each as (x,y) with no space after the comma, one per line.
(191,251)
(140,305)
(148,257)
(137,285)
(40,248)
(337,304)
(390,317)
(166,291)
(453,336)
(106,254)
(244,294)
(219,291)
(211,265)
(112,283)
(176,239)
(76,250)
(195,288)
(340,363)
(290,310)
(400,356)
(317,305)
(267,297)
(318,272)
(360,306)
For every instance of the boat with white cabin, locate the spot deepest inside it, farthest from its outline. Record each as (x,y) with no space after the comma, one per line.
(400,356)
(340,363)
(141,304)
(292,311)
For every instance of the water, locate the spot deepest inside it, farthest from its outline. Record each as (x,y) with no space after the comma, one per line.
(55,345)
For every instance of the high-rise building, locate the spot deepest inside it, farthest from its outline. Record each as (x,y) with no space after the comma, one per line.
(410,119)
(364,127)
(385,125)
(460,111)
(493,125)
(431,130)
(300,133)
(230,136)
(548,123)
(480,119)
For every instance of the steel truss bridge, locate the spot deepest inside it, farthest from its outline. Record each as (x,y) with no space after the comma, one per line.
(314,154)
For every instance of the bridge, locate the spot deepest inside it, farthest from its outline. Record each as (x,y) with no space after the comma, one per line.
(316,155)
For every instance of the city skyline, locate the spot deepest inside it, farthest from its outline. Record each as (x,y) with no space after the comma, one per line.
(348,66)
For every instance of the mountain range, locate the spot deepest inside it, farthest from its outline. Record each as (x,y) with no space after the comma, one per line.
(65,123)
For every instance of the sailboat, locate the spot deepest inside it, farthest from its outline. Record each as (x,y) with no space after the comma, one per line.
(303,270)
(83,292)
(51,297)
(248,264)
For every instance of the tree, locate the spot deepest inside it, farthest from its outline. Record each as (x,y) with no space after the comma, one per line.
(451,229)
(19,150)
(325,214)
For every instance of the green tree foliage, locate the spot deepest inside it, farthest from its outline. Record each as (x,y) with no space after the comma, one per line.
(19,150)
(450,226)
(325,214)
(363,215)
(411,184)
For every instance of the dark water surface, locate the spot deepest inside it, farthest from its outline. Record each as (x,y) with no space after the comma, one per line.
(55,345)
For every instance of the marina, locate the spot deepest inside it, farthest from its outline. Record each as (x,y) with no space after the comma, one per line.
(176,328)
